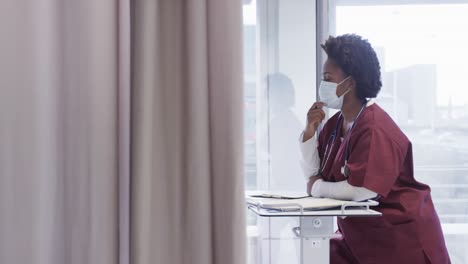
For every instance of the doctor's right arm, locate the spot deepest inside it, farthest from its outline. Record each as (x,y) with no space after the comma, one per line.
(315,116)
(309,160)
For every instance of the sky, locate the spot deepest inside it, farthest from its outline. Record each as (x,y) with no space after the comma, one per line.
(412,34)
(417,34)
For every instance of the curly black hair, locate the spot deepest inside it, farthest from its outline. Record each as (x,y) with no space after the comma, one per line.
(356,57)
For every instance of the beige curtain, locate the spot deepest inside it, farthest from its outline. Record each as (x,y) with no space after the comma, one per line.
(62,92)
(68,132)
(187,188)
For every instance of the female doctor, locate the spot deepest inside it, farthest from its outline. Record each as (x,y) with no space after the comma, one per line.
(362,154)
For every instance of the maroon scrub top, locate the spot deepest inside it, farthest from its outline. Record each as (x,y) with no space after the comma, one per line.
(381,160)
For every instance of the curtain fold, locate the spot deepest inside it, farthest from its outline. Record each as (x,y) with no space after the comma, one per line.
(124,108)
(187,183)
(226,130)
(59,140)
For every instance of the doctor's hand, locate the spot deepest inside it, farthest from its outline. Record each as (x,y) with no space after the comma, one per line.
(311,182)
(315,116)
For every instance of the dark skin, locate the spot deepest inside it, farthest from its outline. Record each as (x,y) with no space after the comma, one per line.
(351,106)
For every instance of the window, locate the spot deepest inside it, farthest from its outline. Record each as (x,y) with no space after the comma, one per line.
(421,45)
(422,50)
(280,86)
(279,81)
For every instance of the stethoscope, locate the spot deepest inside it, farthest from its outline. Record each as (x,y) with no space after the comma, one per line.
(332,139)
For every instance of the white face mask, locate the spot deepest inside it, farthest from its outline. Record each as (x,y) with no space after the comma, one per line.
(327,94)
